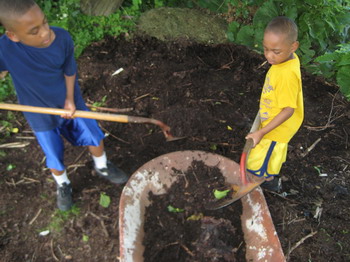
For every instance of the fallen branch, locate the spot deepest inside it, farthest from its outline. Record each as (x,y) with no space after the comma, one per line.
(119,139)
(52,251)
(114,110)
(143,96)
(35,217)
(300,242)
(104,229)
(15,145)
(331,118)
(31,180)
(26,137)
(310,148)
(263,63)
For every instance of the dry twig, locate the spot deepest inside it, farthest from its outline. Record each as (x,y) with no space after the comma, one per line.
(114,110)
(104,229)
(310,148)
(263,63)
(15,145)
(36,216)
(300,242)
(143,96)
(119,139)
(331,118)
(52,251)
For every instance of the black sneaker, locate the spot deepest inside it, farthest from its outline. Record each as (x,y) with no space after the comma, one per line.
(112,173)
(64,197)
(274,185)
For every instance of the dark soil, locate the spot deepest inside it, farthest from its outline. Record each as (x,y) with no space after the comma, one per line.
(191,232)
(201,92)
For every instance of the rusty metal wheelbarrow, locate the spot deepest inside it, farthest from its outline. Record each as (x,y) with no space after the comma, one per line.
(262,242)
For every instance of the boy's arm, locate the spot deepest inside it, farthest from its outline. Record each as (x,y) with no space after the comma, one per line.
(69,103)
(284,115)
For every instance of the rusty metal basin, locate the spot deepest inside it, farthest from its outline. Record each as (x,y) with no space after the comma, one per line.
(262,242)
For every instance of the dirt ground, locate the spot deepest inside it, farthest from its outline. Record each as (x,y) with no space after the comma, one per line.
(208,94)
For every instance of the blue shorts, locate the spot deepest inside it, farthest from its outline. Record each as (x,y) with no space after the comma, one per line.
(77,131)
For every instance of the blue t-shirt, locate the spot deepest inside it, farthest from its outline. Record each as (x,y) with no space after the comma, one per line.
(38,75)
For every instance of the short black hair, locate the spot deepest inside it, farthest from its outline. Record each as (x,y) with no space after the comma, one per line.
(10,9)
(283,25)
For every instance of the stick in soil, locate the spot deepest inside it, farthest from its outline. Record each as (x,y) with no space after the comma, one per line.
(52,251)
(176,243)
(300,242)
(311,147)
(36,216)
(114,110)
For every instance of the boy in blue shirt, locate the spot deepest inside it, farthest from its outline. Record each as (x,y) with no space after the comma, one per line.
(40,60)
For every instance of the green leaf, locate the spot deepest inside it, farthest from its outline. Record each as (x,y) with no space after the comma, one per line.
(343,80)
(221,194)
(318,169)
(265,14)
(233,29)
(327,57)
(175,209)
(344,60)
(213,147)
(195,217)
(246,35)
(10,167)
(85,238)
(291,12)
(105,200)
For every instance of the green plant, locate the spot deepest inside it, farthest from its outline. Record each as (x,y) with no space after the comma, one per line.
(175,209)
(323,25)
(6,88)
(336,65)
(219,194)
(100,103)
(10,167)
(105,200)
(87,29)
(59,218)
(85,238)
(6,125)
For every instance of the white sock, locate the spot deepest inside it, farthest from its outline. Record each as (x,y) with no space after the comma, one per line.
(100,161)
(61,178)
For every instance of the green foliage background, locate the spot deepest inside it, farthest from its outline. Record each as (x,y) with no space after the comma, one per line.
(323,28)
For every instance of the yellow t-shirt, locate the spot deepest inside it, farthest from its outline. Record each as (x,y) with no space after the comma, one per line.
(282,88)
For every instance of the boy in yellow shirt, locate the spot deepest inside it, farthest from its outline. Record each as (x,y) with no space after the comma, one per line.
(281,104)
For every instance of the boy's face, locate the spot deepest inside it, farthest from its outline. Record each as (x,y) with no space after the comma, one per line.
(31,29)
(277,48)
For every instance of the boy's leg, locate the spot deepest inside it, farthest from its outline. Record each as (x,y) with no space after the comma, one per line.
(52,146)
(86,132)
(105,168)
(266,160)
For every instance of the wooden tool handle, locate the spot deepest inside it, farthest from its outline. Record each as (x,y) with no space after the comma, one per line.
(58,111)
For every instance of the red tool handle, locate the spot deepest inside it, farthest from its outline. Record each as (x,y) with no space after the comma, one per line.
(243,162)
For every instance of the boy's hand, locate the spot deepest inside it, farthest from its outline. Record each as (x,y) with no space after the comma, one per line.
(69,105)
(256,136)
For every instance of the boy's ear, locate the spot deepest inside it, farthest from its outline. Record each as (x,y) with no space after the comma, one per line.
(12,36)
(295,46)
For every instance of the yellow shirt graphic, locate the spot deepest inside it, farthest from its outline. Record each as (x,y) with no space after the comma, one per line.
(282,88)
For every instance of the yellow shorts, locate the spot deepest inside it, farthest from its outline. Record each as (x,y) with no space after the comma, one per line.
(267,158)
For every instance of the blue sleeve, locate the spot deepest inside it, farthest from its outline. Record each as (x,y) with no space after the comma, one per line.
(69,66)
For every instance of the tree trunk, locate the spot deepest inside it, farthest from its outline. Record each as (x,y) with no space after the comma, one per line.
(99,7)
